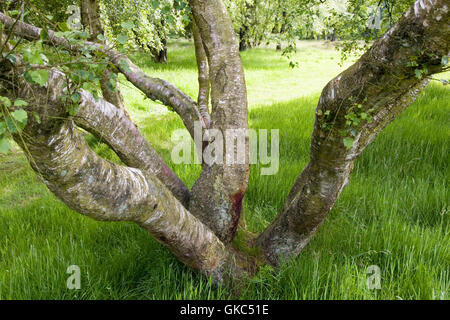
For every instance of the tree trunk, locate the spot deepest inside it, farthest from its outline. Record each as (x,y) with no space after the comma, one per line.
(203,76)
(90,19)
(282,29)
(217,196)
(353,108)
(160,55)
(243,38)
(381,84)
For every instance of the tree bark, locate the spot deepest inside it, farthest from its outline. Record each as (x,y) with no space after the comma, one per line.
(374,91)
(217,196)
(154,88)
(204,85)
(105,191)
(382,84)
(90,19)
(112,126)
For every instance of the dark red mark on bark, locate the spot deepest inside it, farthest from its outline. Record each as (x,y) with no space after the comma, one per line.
(236,200)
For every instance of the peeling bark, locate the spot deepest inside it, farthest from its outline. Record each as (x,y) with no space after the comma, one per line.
(203,76)
(380,81)
(90,18)
(154,88)
(109,192)
(222,183)
(381,84)
(113,126)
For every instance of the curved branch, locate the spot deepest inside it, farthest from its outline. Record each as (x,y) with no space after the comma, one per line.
(380,85)
(114,127)
(153,88)
(203,75)
(225,183)
(109,192)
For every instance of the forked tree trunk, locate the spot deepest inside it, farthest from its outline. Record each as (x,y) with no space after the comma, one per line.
(217,196)
(198,226)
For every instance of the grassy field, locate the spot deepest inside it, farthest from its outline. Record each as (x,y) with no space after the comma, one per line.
(394,213)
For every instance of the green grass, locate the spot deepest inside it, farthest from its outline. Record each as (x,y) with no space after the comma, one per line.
(394,213)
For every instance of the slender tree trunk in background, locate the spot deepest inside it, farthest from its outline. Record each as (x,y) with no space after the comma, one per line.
(159,55)
(282,30)
(243,38)
(198,227)
(90,19)
(333,35)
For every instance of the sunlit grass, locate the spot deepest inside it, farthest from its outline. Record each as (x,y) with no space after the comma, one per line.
(394,213)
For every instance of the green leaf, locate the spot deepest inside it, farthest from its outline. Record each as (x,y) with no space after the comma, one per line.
(4,146)
(32,56)
(20,103)
(418,73)
(10,125)
(76,96)
(44,34)
(5,101)
(39,76)
(444,60)
(11,57)
(122,38)
(63,26)
(101,37)
(72,109)
(36,117)
(127,25)
(348,142)
(155,4)
(20,115)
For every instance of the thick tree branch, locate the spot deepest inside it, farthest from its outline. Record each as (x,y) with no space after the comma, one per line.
(90,18)
(225,183)
(110,192)
(112,125)
(153,88)
(203,76)
(379,86)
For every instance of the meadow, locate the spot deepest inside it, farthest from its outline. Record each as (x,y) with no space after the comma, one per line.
(394,213)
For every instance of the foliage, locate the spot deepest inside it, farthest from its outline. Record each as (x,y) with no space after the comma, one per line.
(145,24)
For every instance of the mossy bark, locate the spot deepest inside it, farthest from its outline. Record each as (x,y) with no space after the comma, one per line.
(217,196)
(383,84)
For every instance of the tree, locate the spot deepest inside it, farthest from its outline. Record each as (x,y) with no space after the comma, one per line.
(91,20)
(198,225)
